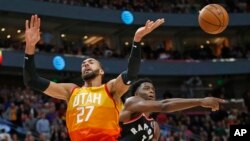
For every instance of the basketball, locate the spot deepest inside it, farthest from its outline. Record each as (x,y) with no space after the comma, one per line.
(213,19)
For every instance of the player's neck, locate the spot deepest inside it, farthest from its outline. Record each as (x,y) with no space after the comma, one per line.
(96,82)
(147,114)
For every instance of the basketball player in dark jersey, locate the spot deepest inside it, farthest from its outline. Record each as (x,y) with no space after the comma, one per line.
(135,118)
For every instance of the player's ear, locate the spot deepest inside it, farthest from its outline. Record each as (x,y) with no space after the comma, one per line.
(101,72)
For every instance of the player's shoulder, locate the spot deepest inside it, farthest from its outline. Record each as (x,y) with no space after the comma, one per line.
(110,83)
(70,87)
(132,100)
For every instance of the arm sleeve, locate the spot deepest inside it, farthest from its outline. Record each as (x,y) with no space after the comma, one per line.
(134,62)
(30,77)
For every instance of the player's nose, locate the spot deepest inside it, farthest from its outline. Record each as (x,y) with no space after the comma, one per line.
(151,95)
(152,91)
(86,64)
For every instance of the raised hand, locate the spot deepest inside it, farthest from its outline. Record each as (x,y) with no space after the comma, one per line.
(212,102)
(32,33)
(149,27)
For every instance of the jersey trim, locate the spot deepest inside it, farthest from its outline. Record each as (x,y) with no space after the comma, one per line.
(133,119)
(107,90)
(73,90)
(110,96)
(138,117)
(150,119)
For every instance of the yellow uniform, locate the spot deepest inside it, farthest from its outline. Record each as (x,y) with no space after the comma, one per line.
(92,115)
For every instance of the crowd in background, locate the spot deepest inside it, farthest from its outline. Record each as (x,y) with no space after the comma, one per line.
(160,50)
(156,51)
(199,126)
(169,6)
(33,116)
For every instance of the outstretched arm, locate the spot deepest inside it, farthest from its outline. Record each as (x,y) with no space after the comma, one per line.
(30,77)
(137,104)
(120,85)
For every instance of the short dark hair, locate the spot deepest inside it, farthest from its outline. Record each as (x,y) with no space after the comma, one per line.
(96,61)
(135,85)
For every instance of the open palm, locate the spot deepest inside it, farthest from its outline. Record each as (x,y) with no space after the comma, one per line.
(32,30)
(149,27)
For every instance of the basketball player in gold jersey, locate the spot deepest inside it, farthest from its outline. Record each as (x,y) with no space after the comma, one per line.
(93,109)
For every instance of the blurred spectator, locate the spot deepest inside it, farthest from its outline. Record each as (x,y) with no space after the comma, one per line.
(42,137)
(154,50)
(4,136)
(246,97)
(222,48)
(29,137)
(11,113)
(171,6)
(200,127)
(15,137)
(43,126)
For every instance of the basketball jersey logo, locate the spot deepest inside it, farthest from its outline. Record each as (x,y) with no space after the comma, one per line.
(144,127)
(85,112)
(85,99)
(87,108)
(140,128)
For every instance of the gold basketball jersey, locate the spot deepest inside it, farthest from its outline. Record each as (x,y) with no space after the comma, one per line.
(92,114)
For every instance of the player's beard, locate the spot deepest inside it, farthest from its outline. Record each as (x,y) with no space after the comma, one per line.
(90,75)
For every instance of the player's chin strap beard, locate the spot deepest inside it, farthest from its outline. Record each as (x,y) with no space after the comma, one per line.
(91,75)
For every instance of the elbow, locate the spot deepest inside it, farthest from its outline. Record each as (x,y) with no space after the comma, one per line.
(166,108)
